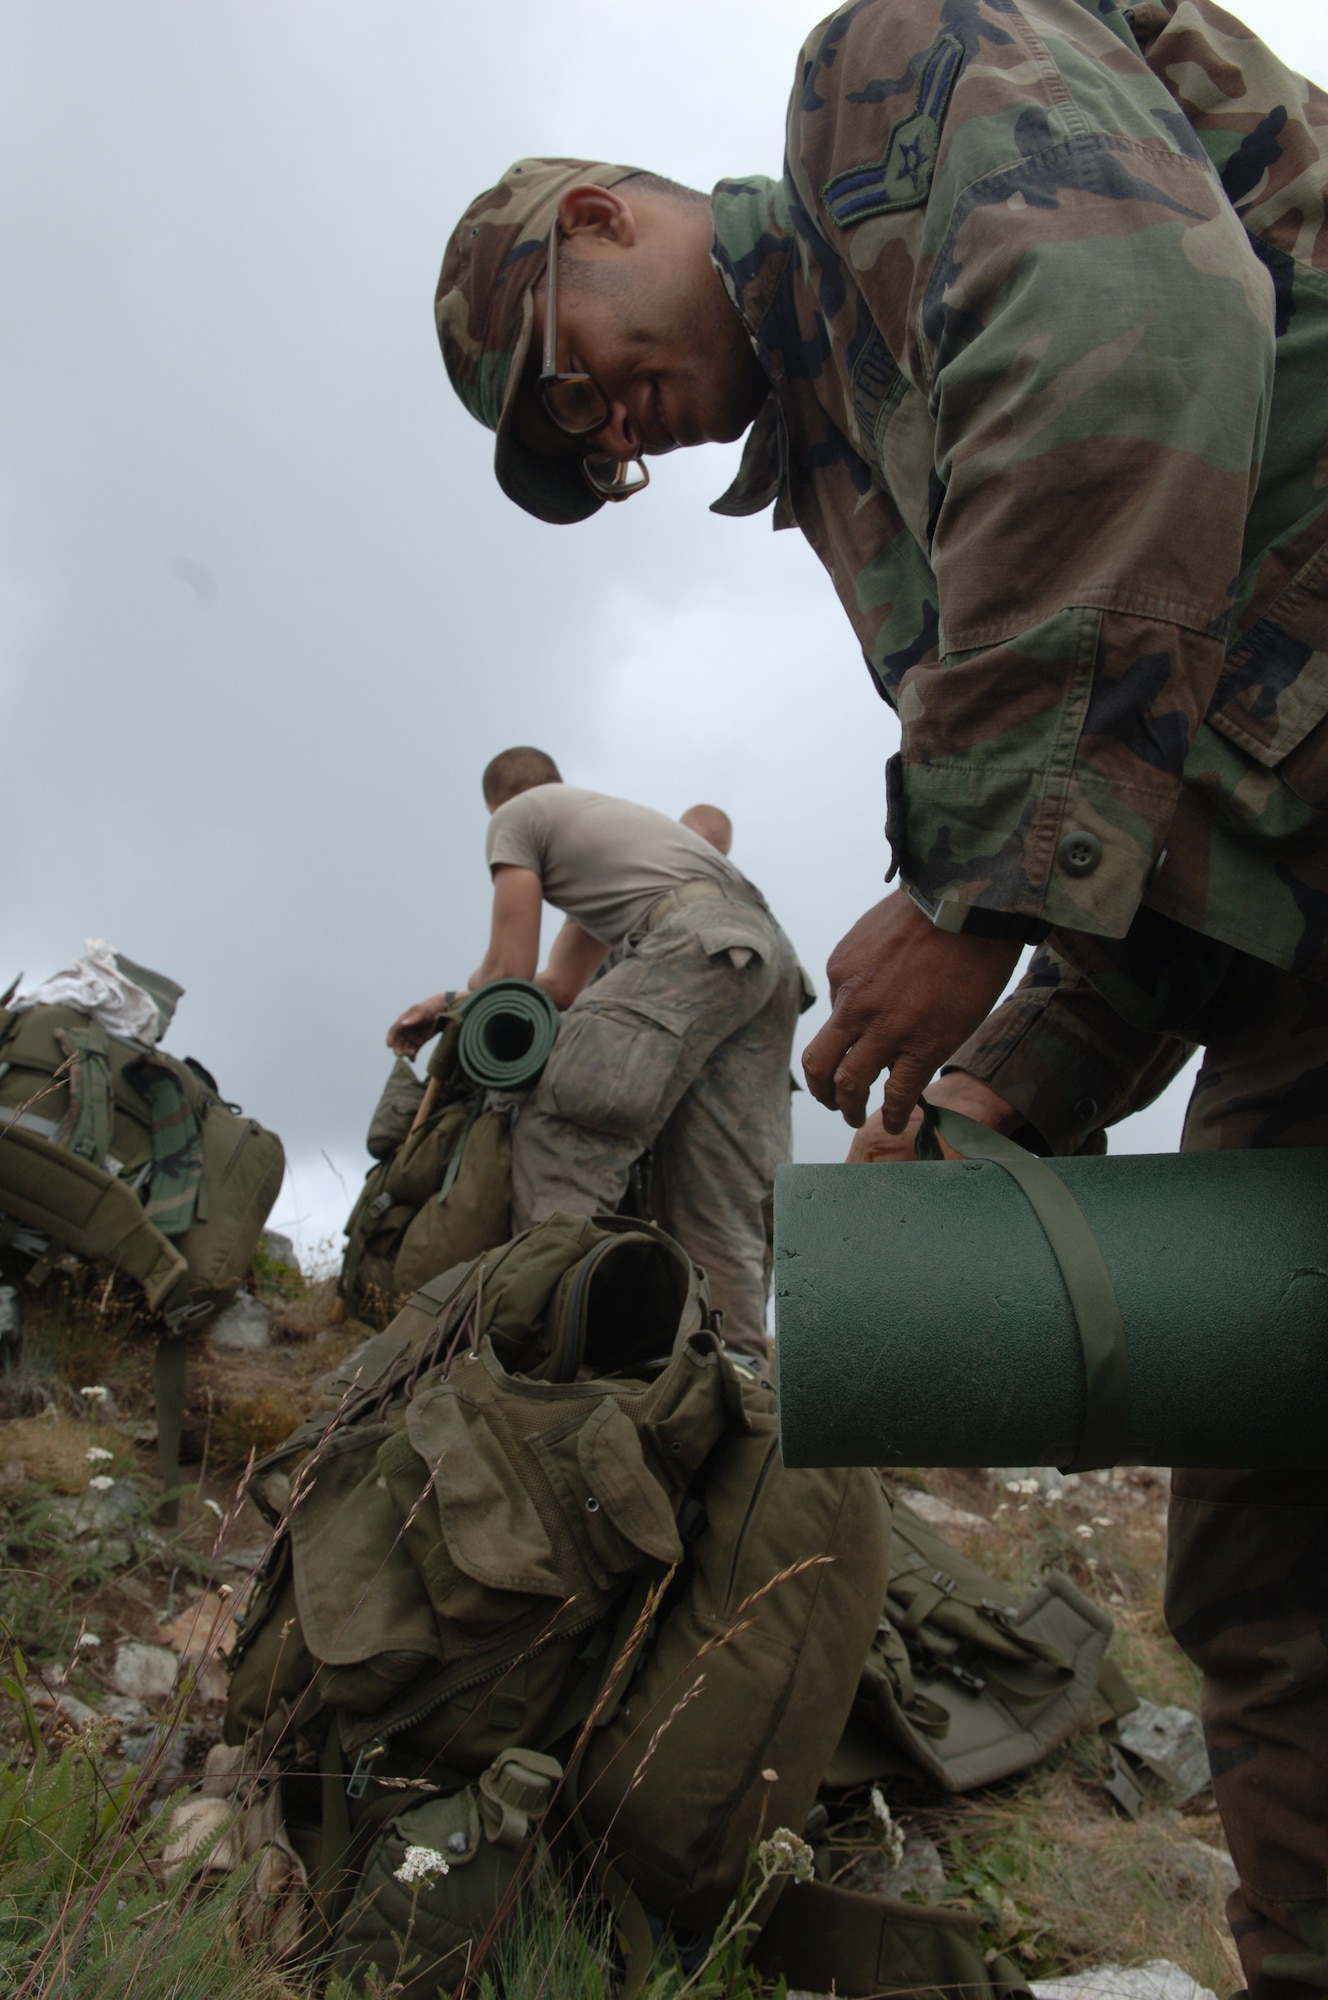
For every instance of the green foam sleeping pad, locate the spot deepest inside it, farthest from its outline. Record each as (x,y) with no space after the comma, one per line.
(508,1030)
(923,1318)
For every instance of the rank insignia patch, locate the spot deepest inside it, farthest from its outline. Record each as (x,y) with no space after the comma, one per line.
(903,178)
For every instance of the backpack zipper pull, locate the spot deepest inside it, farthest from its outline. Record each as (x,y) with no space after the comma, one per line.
(357,1784)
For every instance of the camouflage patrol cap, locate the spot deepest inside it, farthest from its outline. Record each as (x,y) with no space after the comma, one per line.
(485,313)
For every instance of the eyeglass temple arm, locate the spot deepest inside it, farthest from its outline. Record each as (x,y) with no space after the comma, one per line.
(551,303)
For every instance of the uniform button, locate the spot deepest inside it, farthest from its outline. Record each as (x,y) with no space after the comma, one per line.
(1085,1111)
(1079,853)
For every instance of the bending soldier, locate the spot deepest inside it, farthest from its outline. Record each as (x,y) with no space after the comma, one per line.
(681,1047)
(1032,338)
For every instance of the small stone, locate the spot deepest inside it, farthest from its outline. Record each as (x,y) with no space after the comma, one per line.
(12,1475)
(919,1877)
(123,1708)
(1169,1742)
(145,1672)
(938,1513)
(167,1747)
(68,1705)
(1158,1980)
(1204,1870)
(279,1249)
(246,1323)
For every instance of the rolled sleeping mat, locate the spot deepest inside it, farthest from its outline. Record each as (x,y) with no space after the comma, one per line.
(508,1030)
(1167,1309)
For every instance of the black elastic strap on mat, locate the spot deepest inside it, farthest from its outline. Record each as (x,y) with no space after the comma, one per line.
(1087,1281)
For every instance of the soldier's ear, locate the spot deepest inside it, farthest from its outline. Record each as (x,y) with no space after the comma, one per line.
(600,213)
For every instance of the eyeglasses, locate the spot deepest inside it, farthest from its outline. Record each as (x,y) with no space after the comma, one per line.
(577,407)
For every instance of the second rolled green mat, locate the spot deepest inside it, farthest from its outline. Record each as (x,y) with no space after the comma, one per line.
(922,1318)
(508,1030)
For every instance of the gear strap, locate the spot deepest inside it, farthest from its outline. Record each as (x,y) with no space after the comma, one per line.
(820,1939)
(1083,1270)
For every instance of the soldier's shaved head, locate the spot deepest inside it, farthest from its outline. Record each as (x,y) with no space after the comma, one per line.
(517,770)
(711,824)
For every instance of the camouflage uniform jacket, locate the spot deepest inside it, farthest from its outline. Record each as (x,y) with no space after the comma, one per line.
(1019,296)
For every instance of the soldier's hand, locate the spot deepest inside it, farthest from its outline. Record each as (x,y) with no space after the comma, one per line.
(411,1030)
(955,1091)
(904,997)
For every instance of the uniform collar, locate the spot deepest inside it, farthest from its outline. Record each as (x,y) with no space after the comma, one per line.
(751,249)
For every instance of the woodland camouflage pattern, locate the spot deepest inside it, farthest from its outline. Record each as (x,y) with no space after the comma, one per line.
(1024,408)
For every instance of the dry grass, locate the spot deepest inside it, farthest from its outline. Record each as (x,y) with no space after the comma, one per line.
(54,1450)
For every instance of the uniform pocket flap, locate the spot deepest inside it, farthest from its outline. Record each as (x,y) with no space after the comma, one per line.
(492,1530)
(356,1588)
(615,1470)
(734,931)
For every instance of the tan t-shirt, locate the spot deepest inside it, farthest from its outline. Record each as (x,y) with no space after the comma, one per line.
(602,861)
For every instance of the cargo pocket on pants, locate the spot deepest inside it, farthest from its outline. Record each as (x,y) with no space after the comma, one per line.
(611,1068)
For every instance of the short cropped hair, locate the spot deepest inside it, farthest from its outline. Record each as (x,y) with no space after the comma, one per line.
(513,771)
(710,823)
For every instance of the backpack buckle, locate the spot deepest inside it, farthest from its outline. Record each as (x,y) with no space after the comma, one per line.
(357,1784)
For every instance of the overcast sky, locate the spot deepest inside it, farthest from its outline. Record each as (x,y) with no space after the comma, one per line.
(264,614)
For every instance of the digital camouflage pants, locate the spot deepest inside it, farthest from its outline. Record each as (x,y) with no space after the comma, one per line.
(1247,1564)
(683,1048)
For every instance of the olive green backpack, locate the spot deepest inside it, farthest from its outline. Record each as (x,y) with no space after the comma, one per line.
(542,1594)
(439,1191)
(130,1158)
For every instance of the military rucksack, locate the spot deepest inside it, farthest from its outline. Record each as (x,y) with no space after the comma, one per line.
(439,1191)
(133,1159)
(453,1646)
(466,1536)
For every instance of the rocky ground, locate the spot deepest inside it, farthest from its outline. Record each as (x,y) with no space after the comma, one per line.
(118,1619)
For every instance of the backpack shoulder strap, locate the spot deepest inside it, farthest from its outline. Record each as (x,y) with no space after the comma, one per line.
(821,1939)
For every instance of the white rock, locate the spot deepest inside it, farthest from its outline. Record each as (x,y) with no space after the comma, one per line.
(246,1322)
(146,1672)
(1169,1742)
(1158,1980)
(1208,1871)
(938,1513)
(69,1705)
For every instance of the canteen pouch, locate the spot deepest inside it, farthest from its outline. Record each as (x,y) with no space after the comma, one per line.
(445,1915)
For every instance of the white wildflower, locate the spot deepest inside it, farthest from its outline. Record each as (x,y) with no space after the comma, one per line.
(213,1508)
(1101,1520)
(1084,1532)
(422,1864)
(101,1482)
(892,1834)
(1028,1487)
(98,1455)
(785,1854)
(97,1393)
(88,1639)
(770,1776)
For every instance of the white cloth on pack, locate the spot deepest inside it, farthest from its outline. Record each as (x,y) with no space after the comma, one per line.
(97,986)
